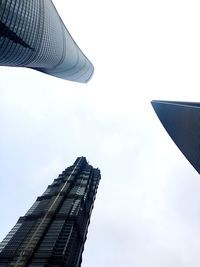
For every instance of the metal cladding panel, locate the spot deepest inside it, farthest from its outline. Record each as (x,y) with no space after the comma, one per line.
(182,122)
(33,35)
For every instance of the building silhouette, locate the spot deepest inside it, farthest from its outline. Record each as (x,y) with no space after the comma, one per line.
(182,122)
(53,231)
(33,35)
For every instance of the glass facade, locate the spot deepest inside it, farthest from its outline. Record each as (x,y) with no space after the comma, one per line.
(181,120)
(53,231)
(33,35)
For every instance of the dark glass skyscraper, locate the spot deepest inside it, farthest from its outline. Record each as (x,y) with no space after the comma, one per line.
(33,35)
(53,231)
(182,122)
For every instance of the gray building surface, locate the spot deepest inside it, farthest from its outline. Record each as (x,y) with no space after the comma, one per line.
(53,231)
(33,35)
(182,122)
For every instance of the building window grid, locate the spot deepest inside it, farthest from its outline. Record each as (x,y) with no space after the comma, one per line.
(9,236)
(17,50)
(22,30)
(8,50)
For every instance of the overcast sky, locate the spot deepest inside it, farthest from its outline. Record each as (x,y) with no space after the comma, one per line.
(147,210)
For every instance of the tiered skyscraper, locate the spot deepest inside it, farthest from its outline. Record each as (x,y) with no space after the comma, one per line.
(53,231)
(33,35)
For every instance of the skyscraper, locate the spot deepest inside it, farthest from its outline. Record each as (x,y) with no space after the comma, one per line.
(33,35)
(182,122)
(53,231)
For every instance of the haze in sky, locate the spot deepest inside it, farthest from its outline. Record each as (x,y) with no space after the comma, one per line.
(147,210)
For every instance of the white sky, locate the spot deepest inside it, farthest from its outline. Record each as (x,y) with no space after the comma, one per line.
(147,210)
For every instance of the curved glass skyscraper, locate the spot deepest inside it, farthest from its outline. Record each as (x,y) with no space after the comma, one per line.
(182,122)
(33,35)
